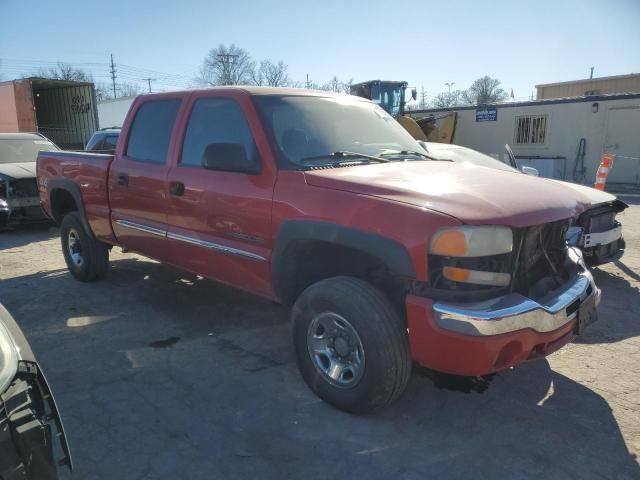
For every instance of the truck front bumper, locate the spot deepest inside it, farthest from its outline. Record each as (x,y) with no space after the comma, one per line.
(483,337)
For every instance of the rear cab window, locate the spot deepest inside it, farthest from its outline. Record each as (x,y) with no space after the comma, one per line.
(151,130)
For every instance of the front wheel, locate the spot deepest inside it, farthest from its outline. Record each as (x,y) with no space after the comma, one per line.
(351,345)
(87,259)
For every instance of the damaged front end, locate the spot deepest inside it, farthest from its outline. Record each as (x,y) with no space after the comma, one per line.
(536,265)
(598,234)
(19,202)
(521,301)
(31,430)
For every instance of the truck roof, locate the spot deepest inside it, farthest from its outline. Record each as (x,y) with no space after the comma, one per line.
(254,90)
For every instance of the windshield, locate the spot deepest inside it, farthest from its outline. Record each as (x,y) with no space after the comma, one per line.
(21,150)
(301,127)
(460,154)
(388,97)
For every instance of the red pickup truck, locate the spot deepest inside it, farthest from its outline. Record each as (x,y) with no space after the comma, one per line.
(325,203)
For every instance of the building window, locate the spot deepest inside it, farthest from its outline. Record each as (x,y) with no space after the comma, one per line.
(590,93)
(531,129)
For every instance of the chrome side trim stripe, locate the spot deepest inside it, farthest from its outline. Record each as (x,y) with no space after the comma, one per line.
(192,240)
(142,228)
(216,246)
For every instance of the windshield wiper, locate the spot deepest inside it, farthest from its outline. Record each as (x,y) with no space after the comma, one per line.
(345,154)
(413,152)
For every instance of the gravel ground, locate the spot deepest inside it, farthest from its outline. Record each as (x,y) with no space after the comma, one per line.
(162,376)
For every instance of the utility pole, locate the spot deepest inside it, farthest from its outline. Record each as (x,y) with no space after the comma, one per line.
(591,76)
(307,84)
(449,99)
(149,80)
(113,76)
(423,98)
(227,60)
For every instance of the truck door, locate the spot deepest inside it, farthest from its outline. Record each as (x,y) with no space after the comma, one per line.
(138,187)
(221,190)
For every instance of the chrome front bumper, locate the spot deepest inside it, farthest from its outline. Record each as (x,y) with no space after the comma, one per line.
(513,312)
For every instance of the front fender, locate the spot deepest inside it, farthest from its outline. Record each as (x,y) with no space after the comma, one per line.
(390,253)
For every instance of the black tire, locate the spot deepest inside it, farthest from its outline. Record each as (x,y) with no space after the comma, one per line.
(382,334)
(94,260)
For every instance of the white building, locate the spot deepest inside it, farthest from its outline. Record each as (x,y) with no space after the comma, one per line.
(111,113)
(547,134)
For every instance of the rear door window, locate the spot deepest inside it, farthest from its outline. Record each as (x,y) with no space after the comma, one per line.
(151,131)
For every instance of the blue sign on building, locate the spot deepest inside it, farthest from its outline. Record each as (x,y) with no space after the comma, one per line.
(486,115)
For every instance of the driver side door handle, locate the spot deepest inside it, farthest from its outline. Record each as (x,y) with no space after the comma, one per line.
(176,188)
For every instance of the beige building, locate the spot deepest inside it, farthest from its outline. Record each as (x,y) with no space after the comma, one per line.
(592,86)
(562,138)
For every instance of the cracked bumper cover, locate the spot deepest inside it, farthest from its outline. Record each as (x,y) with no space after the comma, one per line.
(30,422)
(483,337)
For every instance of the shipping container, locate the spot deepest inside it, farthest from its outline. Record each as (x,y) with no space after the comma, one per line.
(64,111)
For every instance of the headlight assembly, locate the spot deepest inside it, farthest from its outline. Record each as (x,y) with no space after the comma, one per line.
(8,358)
(463,251)
(468,241)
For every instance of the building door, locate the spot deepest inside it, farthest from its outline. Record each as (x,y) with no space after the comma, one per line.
(622,139)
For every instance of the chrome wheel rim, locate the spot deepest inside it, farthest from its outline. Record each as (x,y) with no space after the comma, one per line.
(74,246)
(336,349)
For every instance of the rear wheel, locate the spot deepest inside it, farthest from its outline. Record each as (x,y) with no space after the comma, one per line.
(351,345)
(87,259)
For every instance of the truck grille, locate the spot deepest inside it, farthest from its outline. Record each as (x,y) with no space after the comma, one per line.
(540,256)
(602,222)
(23,188)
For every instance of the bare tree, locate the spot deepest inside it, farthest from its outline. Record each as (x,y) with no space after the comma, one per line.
(448,99)
(334,85)
(276,74)
(346,86)
(271,74)
(484,90)
(64,71)
(103,92)
(226,65)
(130,89)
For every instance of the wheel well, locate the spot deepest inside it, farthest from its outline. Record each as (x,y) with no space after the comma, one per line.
(306,262)
(62,202)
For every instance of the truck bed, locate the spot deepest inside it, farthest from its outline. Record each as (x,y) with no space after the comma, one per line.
(89,173)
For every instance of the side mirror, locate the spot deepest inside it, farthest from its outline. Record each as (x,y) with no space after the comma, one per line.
(414,94)
(424,145)
(228,157)
(530,171)
(511,156)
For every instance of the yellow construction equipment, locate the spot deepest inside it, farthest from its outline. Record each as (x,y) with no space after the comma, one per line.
(390,95)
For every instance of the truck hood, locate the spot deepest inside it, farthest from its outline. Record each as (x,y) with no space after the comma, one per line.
(596,197)
(13,171)
(472,194)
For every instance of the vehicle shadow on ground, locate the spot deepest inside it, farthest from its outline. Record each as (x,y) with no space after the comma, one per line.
(521,423)
(154,364)
(24,234)
(619,296)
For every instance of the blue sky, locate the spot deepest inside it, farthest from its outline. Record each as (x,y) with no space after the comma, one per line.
(426,43)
